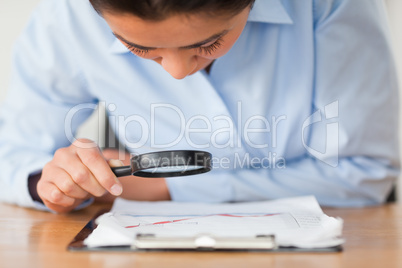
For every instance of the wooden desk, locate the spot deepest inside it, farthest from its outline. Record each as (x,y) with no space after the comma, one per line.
(31,238)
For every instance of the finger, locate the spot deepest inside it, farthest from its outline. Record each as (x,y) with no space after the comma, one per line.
(98,166)
(52,194)
(61,209)
(79,173)
(82,176)
(116,154)
(67,185)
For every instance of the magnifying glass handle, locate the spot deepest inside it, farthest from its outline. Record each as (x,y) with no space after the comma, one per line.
(122,171)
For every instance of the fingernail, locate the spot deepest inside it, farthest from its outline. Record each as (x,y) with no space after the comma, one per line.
(116,190)
(115,163)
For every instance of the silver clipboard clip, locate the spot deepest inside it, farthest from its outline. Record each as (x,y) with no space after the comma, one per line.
(204,242)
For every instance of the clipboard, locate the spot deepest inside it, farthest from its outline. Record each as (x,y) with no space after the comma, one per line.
(199,243)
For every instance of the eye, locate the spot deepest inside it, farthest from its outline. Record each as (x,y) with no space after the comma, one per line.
(209,50)
(137,51)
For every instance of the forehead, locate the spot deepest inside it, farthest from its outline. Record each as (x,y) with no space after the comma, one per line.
(174,31)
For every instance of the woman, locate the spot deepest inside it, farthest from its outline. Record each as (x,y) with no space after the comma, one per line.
(291,98)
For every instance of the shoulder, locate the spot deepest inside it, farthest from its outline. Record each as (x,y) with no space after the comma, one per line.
(67,25)
(52,9)
(51,50)
(74,17)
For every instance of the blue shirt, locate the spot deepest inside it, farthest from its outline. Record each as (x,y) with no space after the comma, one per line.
(304,103)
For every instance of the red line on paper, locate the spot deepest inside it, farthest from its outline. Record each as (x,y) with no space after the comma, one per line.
(222,215)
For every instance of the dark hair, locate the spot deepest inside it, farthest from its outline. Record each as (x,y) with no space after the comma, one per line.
(157,10)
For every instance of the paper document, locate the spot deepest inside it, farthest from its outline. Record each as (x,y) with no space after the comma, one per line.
(297,222)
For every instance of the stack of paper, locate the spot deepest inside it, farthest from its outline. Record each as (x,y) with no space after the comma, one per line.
(295,222)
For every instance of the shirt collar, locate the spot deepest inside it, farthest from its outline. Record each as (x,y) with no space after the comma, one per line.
(265,11)
(269,11)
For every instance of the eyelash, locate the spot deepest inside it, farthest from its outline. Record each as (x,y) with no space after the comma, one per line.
(211,48)
(137,51)
(202,50)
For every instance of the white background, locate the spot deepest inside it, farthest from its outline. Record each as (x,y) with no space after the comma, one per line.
(15,13)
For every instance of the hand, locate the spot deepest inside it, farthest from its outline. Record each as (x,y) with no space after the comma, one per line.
(76,173)
(135,188)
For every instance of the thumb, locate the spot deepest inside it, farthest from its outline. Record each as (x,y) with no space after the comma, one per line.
(115,163)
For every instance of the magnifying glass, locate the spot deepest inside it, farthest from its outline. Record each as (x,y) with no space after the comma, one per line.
(166,164)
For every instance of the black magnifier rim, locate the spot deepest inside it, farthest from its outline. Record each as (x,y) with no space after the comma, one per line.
(150,161)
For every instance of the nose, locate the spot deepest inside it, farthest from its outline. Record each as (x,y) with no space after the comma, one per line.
(178,63)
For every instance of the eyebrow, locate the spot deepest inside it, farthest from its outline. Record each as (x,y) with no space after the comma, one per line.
(198,44)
